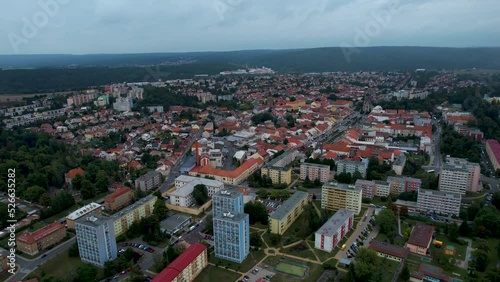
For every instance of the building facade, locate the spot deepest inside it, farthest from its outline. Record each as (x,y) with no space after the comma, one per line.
(420,239)
(336,196)
(183,194)
(139,210)
(288,212)
(459,175)
(493,151)
(440,202)
(315,171)
(148,181)
(96,240)
(398,185)
(349,166)
(232,236)
(186,267)
(383,188)
(388,251)
(121,197)
(334,230)
(227,201)
(90,209)
(32,243)
(368,188)
(278,175)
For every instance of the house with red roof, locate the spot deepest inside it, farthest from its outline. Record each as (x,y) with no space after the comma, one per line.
(32,243)
(121,197)
(68,177)
(185,267)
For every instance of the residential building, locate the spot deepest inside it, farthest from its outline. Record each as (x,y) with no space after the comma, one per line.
(440,202)
(233,177)
(121,197)
(123,104)
(139,210)
(334,230)
(427,272)
(96,239)
(389,251)
(186,267)
(351,166)
(90,209)
(399,164)
(148,181)
(288,212)
(184,184)
(382,189)
(68,177)
(227,201)
(315,171)
(32,243)
(278,169)
(336,196)
(420,239)
(459,175)
(493,151)
(398,185)
(232,236)
(368,188)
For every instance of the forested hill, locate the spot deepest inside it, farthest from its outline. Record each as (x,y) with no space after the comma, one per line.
(42,73)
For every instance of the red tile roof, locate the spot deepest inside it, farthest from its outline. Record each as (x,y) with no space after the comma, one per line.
(495,148)
(421,235)
(74,172)
(226,173)
(388,249)
(118,192)
(180,263)
(30,238)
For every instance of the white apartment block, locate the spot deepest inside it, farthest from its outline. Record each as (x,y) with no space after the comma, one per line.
(440,202)
(383,188)
(459,176)
(348,166)
(315,171)
(334,230)
(184,184)
(96,240)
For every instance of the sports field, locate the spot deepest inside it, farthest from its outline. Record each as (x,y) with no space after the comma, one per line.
(290,268)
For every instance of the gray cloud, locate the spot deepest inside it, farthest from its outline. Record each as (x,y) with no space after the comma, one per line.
(125,26)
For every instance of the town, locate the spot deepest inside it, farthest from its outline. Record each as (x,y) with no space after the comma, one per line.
(253,175)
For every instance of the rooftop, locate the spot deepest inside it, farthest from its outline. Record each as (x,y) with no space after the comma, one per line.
(199,180)
(118,192)
(173,221)
(228,194)
(386,248)
(32,237)
(289,204)
(231,216)
(335,222)
(83,211)
(441,194)
(148,175)
(180,263)
(341,186)
(133,206)
(74,172)
(430,271)
(421,235)
(280,157)
(93,221)
(316,165)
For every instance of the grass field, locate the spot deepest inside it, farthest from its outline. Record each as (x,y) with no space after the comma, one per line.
(253,258)
(61,267)
(313,273)
(212,273)
(290,268)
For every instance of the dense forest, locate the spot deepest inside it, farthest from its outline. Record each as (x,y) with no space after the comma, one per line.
(166,97)
(57,72)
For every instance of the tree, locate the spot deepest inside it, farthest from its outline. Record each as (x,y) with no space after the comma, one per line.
(453,232)
(88,190)
(257,212)
(102,181)
(135,275)
(262,193)
(255,240)
(344,177)
(200,194)
(275,239)
(160,209)
(405,274)
(86,273)
(77,182)
(317,182)
(387,222)
(481,260)
(495,200)
(45,200)
(73,250)
(34,193)
(464,229)
(367,266)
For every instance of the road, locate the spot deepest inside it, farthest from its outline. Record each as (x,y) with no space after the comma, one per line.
(27,265)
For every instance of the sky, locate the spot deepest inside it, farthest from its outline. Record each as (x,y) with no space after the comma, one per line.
(144,26)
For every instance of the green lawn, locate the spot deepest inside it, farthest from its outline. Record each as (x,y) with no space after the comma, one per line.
(61,267)
(322,255)
(308,253)
(312,274)
(259,226)
(389,267)
(268,241)
(492,244)
(212,273)
(253,258)
(460,250)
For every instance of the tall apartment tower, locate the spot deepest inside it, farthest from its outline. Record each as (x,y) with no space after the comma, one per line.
(459,175)
(96,239)
(225,201)
(231,226)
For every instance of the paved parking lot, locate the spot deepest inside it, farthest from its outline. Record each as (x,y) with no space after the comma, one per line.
(261,274)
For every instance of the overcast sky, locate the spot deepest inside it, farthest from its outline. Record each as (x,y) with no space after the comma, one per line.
(139,26)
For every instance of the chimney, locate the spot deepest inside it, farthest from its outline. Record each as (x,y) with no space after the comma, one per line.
(197,153)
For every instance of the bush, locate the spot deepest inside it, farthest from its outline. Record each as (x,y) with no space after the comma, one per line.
(329,265)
